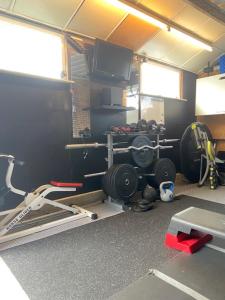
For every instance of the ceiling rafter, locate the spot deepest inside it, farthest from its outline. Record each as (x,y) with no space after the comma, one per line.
(74,12)
(44,25)
(12,4)
(73,15)
(165,20)
(117,26)
(209,8)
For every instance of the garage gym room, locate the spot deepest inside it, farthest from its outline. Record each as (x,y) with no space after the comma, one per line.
(112,152)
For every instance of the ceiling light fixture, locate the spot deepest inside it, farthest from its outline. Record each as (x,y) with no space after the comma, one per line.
(137,13)
(130,9)
(190,39)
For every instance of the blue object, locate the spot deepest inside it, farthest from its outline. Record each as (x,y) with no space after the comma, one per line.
(222,64)
(167,191)
(167,185)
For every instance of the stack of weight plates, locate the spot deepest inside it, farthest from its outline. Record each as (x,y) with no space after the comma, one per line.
(121,182)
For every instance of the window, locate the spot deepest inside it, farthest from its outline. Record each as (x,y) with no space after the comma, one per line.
(28,50)
(132,100)
(160,80)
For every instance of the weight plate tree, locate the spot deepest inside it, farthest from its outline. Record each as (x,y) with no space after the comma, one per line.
(121,182)
(163,170)
(190,156)
(142,158)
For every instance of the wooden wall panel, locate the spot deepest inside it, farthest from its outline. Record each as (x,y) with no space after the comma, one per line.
(216,124)
(133,33)
(5,4)
(167,8)
(54,12)
(96,18)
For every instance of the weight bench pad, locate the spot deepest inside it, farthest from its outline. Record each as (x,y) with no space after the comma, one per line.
(66,184)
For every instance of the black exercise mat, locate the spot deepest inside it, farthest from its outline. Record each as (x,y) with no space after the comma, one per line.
(97,260)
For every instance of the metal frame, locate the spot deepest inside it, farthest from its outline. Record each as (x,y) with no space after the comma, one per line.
(34,201)
(15,236)
(113,151)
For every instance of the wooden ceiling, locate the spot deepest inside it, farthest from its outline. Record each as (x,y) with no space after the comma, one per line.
(99,19)
(214,8)
(219,3)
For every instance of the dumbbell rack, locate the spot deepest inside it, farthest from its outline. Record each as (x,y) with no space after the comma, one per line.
(114,150)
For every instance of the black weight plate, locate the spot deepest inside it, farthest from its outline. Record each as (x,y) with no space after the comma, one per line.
(163,170)
(113,190)
(142,208)
(106,184)
(111,184)
(120,182)
(189,154)
(142,158)
(125,182)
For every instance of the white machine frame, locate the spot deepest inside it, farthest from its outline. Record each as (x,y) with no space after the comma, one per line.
(33,201)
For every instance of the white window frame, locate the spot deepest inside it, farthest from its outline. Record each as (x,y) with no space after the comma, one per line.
(160,91)
(40,29)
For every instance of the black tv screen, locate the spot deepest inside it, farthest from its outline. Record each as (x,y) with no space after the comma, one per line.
(112,61)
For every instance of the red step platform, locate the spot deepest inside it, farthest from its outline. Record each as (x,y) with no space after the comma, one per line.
(188,243)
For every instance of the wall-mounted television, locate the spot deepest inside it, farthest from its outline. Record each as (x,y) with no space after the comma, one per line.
(112,61)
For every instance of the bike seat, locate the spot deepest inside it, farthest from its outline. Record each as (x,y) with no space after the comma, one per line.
(66,184)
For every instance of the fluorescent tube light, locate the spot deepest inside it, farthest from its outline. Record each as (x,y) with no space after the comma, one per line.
(190,39)
(137,13)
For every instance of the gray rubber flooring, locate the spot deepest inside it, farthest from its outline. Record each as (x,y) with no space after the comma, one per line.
(97,260)
(203,272)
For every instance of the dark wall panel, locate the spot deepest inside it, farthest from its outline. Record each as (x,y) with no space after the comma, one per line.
(35,125)
(179,114)
(103,120)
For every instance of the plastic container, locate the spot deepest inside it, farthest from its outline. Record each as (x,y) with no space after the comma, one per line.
(222,64)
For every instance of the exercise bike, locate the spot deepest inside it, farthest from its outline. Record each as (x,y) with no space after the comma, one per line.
(35,200)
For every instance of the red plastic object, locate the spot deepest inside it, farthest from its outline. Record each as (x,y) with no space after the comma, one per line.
(188,243)
(66,184)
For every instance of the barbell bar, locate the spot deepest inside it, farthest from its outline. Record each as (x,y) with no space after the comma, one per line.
(145,147)
(98,145)
(94,174)
(81,146)
(165,141)
(91,145)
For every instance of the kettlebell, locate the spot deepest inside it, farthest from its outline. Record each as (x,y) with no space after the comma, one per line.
(149,193)
(167,191)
